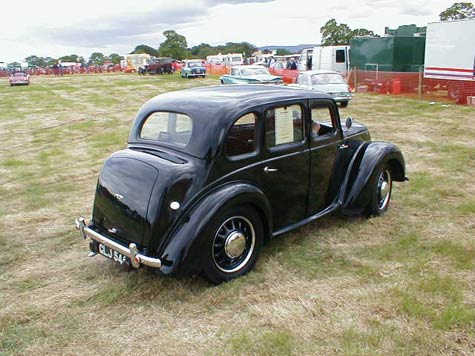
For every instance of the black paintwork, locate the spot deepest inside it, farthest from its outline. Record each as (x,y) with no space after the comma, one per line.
(314,177)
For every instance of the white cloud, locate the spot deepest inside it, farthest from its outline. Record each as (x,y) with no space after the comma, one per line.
(55,28)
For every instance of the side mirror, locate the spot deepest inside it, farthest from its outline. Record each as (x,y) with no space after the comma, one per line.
(349,122)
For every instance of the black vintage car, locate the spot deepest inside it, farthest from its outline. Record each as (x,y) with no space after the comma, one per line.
(210,174)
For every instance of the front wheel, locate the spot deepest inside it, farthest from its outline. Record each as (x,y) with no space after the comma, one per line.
(234,243)
(344,104)
(381,184)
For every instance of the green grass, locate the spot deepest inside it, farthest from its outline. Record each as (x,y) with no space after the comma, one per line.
(401,284)
(267,343)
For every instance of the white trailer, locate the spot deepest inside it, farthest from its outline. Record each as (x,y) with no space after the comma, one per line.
(325,58)
(232,59)
(450,57)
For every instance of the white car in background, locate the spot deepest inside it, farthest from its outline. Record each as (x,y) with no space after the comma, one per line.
(325,81)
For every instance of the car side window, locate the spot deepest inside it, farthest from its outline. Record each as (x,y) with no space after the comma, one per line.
(284,125)
(322,123)
(302,79)
(241,139)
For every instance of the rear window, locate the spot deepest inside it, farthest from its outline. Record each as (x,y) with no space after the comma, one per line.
(168,127)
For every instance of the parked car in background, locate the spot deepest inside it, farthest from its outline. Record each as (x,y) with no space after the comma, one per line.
(325,81)
(210,174)
(193,68)
(19,78)
(250,74)
(158,65)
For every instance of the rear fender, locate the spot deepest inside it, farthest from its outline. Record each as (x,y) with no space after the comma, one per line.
(184,250)
(356,196)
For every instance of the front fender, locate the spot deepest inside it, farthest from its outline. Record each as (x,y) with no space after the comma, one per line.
(376,154)
(183,251)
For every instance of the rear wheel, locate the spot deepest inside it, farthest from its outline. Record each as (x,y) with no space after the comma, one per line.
(234,243)
(381,184)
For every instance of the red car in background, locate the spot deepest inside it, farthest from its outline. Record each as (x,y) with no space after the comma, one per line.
(19,78)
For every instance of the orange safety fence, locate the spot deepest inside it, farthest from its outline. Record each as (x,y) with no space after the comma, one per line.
(388,83)
(413,85)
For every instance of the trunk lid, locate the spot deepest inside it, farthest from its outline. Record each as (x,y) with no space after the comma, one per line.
(123,196)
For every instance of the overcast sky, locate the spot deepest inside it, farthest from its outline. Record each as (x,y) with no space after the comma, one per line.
(57,27)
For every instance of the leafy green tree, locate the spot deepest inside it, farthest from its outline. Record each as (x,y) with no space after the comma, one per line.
(242,47)
(458,11)
(71,58)
(97,58)
(174,46)
(145,49)
(115,58)
(335,34)
(35,61)
(282,52)
(341,34)
(50,61)
(202,50)
(363,33)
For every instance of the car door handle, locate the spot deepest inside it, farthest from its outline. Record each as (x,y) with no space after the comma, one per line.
(268,170)
(343,146)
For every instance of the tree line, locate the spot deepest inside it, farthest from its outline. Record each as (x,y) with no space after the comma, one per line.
(175,45)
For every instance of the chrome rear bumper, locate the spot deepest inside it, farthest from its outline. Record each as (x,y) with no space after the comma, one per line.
(132,252)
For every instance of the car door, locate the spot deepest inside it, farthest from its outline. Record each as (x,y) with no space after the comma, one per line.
(325,145)
(285,167)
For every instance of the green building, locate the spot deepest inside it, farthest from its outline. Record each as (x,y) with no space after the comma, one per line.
(401,51)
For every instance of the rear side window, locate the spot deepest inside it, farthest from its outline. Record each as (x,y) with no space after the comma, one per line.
(241,138)
(168,127)
(284,125)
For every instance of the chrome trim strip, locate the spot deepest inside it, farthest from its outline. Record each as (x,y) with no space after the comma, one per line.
(132,252)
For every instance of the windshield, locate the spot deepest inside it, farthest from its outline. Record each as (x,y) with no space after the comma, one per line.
(194,64)
(168,127)
(254,71)
(327,78)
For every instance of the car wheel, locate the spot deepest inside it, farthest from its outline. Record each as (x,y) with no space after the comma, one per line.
(344,104)
(381,185)
(234,243)
(222,81)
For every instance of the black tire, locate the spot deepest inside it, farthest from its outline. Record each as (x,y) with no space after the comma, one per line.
(344,104)
(381,185)
(234,241)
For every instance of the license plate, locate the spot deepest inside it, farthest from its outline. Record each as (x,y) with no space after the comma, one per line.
(113,255)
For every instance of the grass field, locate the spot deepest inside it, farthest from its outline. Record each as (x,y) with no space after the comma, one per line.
(402,284)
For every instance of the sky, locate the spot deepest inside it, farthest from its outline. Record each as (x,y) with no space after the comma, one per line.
(56,28)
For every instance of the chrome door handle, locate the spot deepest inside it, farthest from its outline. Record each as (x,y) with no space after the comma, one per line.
(343,146)
(268,170)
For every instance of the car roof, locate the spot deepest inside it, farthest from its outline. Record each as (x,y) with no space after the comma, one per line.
(249,66)
(320,71)
(226,98)
(214,108)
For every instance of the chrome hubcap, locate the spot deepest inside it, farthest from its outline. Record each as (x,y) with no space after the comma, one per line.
(384,188)
(233,244)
